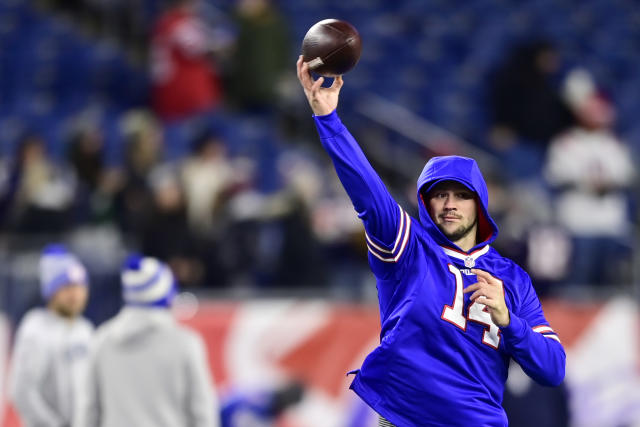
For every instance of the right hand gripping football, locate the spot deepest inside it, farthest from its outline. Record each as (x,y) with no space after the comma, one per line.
(323,100)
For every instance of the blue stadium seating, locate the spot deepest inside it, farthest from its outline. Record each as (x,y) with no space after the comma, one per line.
(432,56)
(453,45)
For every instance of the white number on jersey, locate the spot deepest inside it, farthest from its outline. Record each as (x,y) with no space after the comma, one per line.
(476,312)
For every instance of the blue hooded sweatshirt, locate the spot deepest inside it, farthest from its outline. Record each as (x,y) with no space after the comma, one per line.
(441,360)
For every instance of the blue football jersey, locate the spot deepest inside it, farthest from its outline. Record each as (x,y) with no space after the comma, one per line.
(441,359)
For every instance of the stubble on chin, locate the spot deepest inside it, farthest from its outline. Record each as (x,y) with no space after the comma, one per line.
(459,232)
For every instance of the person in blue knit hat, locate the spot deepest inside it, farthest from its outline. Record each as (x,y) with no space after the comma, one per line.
(145,369)
(52,344)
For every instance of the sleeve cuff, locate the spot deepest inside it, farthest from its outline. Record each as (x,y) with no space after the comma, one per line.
(329,125)
(516,329)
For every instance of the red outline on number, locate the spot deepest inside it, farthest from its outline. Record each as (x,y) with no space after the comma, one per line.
(487,329)
(455,294)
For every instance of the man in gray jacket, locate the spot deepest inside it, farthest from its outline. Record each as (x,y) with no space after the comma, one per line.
(146,370)
(52,344)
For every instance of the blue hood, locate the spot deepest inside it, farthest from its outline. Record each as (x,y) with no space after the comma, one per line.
(465,171)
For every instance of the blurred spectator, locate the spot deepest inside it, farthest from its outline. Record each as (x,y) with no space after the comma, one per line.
(208,176)
(307,225)
(97,185)
(591,170)
(145,369)
(268,239)
(261,55)
(37,194)
(10,175)
(167,235)
(52,344)
(526,103)
(291,254)
(183,73)
(527,107)
(143,139)
(211,179)
(86,151)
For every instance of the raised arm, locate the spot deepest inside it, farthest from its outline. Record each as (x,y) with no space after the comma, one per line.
(386,224)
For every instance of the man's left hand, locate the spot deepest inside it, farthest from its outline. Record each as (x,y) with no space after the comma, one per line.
(490,292)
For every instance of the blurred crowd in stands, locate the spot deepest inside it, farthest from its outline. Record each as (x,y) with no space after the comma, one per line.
(202,213)
(555,134)
(561,188)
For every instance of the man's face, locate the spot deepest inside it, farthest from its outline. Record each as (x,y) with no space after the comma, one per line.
(70,300)
(452,207)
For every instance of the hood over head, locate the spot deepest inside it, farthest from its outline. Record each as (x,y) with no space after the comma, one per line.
(465,171)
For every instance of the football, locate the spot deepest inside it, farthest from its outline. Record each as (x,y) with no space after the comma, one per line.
(331,47)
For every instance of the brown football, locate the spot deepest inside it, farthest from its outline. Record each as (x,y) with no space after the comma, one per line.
(331,47)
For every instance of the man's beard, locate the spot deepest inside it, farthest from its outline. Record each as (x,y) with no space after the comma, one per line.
(66,312)
(460,232)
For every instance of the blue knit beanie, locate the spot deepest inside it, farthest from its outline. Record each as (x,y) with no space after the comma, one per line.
(147,281)
(59,268)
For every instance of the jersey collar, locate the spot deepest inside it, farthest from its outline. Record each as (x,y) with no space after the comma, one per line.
(469,259)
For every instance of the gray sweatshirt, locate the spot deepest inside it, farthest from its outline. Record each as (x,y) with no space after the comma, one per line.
(49,355)
(146,370)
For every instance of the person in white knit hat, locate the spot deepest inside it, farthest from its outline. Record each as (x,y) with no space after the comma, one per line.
(145,369)
(52,344)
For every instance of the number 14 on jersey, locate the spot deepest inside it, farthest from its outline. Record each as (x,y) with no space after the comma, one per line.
(477,312)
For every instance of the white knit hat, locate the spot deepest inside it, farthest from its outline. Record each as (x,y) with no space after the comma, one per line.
(147,281)
(59,268)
